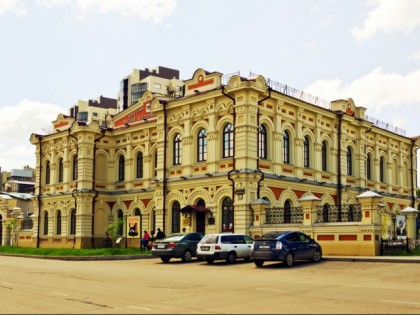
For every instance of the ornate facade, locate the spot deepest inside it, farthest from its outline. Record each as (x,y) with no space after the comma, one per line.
(203,161)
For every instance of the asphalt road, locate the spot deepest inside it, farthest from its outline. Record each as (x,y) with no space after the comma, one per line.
(148,286)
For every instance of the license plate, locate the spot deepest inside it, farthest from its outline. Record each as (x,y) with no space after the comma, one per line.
(205,248)
(264,246)
(160,246)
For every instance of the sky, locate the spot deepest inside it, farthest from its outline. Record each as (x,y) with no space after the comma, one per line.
(56,52)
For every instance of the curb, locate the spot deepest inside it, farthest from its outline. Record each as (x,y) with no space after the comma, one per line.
(388,259)
(84,258)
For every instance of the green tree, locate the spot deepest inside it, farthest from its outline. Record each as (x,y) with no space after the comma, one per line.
(112,230)
(12,228)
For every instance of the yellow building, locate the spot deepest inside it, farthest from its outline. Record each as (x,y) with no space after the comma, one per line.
(228,154)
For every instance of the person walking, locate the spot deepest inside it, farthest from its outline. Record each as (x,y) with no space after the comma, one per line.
(160,235)
(145,240)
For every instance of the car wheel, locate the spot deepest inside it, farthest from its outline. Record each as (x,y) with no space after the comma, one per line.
(231,258)
(187,256)
(259,263)
(210,260)
(165,259)
(317,256)
(289,260)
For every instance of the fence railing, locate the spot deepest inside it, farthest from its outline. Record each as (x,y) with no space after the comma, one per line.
(284,215)
(331,213)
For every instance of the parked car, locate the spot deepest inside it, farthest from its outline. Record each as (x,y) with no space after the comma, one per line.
(177,245)
(286,247)
(225,246)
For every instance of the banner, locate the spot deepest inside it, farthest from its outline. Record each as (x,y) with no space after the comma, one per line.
(133,227)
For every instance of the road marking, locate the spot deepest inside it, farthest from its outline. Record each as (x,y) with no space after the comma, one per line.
(140,308)
(5,283)
(400,302)
(266,289)
(59,293)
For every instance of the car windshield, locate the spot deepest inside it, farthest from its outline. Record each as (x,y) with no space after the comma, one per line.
(210,239)
(273,235)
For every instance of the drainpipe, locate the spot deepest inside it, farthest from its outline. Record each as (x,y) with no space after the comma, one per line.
(92,240)
(77,157)
(339,185)
(413,192)
(39,189)
(164,166)
(258,142)
(234,131)
(234,160)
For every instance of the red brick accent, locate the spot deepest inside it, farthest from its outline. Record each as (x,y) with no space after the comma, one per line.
(367,214)
(347,237)
(325,237)
(367,237)
(307,215)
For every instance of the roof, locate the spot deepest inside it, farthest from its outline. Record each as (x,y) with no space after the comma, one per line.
(18,195)
(20,173)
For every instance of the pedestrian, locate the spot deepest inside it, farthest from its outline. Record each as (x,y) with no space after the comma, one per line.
(145,240)
(160,235)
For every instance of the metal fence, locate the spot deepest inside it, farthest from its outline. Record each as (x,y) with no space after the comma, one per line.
(284,215)
(330,213)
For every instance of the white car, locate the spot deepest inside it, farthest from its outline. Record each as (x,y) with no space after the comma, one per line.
(225,246)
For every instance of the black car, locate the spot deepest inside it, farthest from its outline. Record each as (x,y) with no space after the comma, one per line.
(182,246)
(286,247)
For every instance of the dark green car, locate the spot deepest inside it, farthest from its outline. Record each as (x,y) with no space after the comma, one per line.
(178,245)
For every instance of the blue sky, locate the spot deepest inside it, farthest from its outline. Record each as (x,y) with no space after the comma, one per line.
(55,52)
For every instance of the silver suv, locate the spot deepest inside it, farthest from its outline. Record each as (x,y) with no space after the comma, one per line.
(225,246)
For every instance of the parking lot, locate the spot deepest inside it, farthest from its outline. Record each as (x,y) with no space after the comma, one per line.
(149,286)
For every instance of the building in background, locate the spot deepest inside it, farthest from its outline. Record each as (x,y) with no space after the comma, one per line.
(228,154)
(161,81)
(19,180)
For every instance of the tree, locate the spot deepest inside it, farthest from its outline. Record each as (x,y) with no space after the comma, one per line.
(12,228)
(112,230)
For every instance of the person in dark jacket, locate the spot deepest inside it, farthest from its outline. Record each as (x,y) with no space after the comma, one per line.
(160,235)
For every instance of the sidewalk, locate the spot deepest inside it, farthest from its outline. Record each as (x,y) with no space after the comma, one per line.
(392,259)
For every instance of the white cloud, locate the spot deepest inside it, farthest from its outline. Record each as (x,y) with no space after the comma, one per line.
(154,10)
(376,89)
(389,16)
(415,56)
(14,6)
(17,123)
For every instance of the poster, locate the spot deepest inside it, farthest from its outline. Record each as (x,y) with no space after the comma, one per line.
(400,226)
(133,227)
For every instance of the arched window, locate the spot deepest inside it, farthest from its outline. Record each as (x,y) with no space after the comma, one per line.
(227,215)
(120,218)
(73,222)
(369,167)
(262,142)
(58,223)
(176,222)
(349,159)
(306,153)
(287,212)
(177,149)
(139,165)
(351,214)
(45,223)
(121,168)
(47,172)
(137,212)
(228,141)
(202,146)
(325,214)
(286,147)
(75,169)
(382,170)
(60,170)
(324,156)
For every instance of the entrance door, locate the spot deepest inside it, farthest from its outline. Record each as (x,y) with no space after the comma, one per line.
(200,222)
